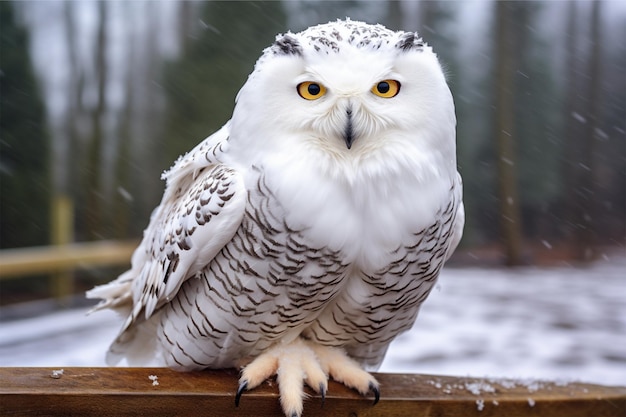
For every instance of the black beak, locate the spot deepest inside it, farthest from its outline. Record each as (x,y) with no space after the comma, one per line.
(349,134)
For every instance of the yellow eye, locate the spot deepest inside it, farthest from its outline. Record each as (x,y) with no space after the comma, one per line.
(386,88)
(310,90)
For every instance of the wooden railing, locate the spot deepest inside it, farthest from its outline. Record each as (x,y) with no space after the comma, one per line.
(46,259)
(58,260)
(159,391)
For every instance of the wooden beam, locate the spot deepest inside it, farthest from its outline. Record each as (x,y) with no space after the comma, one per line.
(159,391)
(46,259)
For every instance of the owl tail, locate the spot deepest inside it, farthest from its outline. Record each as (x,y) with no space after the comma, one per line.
(115,295)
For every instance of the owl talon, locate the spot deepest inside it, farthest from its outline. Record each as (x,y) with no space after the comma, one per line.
(374,388)
(242,387)
(305,361)
(293,363)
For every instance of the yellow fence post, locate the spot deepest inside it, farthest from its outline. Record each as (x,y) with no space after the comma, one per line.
(62,233)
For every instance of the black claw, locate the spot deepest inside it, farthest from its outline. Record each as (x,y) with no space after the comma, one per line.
(240,390)
(376,392)
(323,394)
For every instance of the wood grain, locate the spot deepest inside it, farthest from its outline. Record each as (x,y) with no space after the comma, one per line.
(130,391)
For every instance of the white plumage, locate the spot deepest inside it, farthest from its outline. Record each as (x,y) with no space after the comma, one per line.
(313,224)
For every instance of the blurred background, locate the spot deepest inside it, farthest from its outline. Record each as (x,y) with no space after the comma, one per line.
(97,98)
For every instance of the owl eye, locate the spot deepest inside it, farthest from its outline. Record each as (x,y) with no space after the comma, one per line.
(311,91)
(386,88)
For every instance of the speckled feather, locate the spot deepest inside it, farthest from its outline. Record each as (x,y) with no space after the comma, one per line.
(329,39)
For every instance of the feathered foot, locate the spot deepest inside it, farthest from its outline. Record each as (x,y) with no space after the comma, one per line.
(306,361)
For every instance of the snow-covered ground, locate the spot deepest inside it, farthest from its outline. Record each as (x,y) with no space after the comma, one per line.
(561,323)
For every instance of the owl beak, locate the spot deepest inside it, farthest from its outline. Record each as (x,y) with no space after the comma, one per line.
(348,135)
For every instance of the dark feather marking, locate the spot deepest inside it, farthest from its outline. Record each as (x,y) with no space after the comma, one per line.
(199,331)
(174,258)
(243,339)
(241,311)
(287,45)
(410,41)
(206,319)
(183,291)
(167,338)
(175,358)
(266,291)
(203,365)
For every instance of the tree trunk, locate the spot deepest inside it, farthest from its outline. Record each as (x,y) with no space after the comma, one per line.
(572,117)
(585,186)
(510,220)
(95,202)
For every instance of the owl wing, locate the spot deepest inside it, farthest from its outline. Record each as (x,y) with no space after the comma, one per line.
(201,209)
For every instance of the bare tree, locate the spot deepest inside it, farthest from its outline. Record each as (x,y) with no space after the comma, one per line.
(66,173)
(122,196)
(586,167)
(395,18)
(510,219)
(185,18)
(146,127)
(571,149)
(93,215)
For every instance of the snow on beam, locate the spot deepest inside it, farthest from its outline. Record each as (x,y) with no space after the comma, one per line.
(159,391)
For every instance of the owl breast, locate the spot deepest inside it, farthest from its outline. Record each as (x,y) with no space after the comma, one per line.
(281,277)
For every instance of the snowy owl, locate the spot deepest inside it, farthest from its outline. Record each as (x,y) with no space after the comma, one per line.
(302,237)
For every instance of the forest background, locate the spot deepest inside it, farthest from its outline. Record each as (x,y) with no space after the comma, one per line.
(98,98)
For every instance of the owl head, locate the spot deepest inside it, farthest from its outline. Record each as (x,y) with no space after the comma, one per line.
(351,99)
